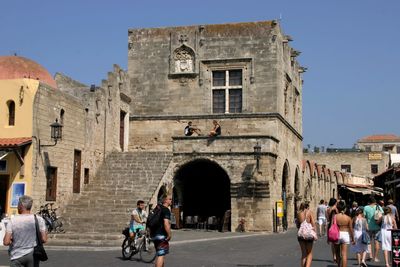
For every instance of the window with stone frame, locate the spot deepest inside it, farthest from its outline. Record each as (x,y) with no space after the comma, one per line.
(227,90)
(374,168)
(345,168)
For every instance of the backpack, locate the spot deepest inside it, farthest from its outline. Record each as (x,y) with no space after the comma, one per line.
(377,215)
(154,219)
(333,232)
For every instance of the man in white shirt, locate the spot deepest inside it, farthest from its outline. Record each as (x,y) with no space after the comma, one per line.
(21,235)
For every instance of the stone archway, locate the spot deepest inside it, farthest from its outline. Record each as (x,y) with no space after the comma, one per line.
(286,196)
(297,194)
(203,190)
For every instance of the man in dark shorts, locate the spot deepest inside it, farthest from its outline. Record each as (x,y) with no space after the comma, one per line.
(162,234)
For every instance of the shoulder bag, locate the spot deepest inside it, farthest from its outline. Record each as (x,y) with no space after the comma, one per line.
(306,231)
(38,251)
(365,239)
(333,232)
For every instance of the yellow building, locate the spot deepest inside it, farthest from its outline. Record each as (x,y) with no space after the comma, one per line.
(19,81)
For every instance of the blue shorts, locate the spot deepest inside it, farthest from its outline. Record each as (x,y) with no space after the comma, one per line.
(162,245)
(135,228)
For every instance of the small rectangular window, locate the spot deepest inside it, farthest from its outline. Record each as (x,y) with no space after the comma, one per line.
(218,78)
(346,168)
(219,101)
(374,168)
(235,100)
(235,77)
(398,149)
(368,148)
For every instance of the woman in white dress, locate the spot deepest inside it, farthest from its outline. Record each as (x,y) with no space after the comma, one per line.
(360,225)
(388,222)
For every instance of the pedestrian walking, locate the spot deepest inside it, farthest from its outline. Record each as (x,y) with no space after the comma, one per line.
(353,209)
(306,240)
(162,234)
(330,212)
(321,217)
(360,228)
(371,212)
(388,223)
(21,235)
(395,212)
(346,234)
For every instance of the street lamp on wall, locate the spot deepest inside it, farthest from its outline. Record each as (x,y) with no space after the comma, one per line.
(55,134)
(257,155)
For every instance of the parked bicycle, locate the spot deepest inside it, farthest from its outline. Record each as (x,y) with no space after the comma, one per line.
(142,244)
(53,222)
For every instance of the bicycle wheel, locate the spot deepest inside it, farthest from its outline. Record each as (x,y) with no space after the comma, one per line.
(147,250)
(127,251)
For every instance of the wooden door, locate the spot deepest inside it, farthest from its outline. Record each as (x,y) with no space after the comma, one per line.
(51,185)
(77,172)
(122,130)
(3,193)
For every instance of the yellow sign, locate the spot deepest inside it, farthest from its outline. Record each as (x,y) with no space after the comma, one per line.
(374,156)
(279,209)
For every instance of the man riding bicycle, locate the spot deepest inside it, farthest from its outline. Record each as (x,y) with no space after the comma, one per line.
(138,220)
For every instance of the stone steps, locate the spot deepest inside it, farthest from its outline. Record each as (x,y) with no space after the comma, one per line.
(102,210)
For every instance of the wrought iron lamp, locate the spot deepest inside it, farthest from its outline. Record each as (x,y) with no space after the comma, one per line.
(257,155)
(56,133)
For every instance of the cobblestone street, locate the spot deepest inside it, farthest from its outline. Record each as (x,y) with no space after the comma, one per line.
(214,249)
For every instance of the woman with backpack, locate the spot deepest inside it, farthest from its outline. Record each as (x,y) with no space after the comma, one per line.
(306,234)
(388,223)
(360,227)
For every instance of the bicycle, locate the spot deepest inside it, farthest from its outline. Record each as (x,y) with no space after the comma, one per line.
(144,245)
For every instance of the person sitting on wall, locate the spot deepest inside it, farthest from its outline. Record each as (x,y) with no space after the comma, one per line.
(216,130)
(190,129)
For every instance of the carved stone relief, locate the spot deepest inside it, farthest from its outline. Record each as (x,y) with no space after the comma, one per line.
(184,60)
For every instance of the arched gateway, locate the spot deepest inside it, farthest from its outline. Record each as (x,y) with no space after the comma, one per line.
(202,189)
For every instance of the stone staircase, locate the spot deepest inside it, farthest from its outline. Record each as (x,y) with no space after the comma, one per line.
(97,215)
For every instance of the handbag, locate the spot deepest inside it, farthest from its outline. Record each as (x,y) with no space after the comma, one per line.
(38,251)
(333,232)
(306,231)
(365,239)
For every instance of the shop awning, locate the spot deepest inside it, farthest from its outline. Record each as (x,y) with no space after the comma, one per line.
(14,142)
(365,191)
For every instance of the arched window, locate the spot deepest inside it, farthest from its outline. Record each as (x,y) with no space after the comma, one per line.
(62,116)
(11,112)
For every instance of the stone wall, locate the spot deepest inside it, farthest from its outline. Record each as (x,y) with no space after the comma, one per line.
(91,124)
(360,161)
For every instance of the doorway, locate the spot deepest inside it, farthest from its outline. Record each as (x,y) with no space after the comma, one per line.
(202,189)
(3,194)
(76,187)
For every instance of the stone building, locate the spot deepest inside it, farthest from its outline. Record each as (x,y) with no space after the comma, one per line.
(378,143)
(246,77)
(358,163)
(31,100)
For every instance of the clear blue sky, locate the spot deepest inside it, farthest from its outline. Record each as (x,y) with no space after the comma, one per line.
(351,49)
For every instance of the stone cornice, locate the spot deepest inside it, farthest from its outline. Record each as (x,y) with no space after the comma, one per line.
(218,116)
(214,154)
(226,137)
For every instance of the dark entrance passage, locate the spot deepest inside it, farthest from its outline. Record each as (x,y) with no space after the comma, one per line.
(202,194)
(3,194)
